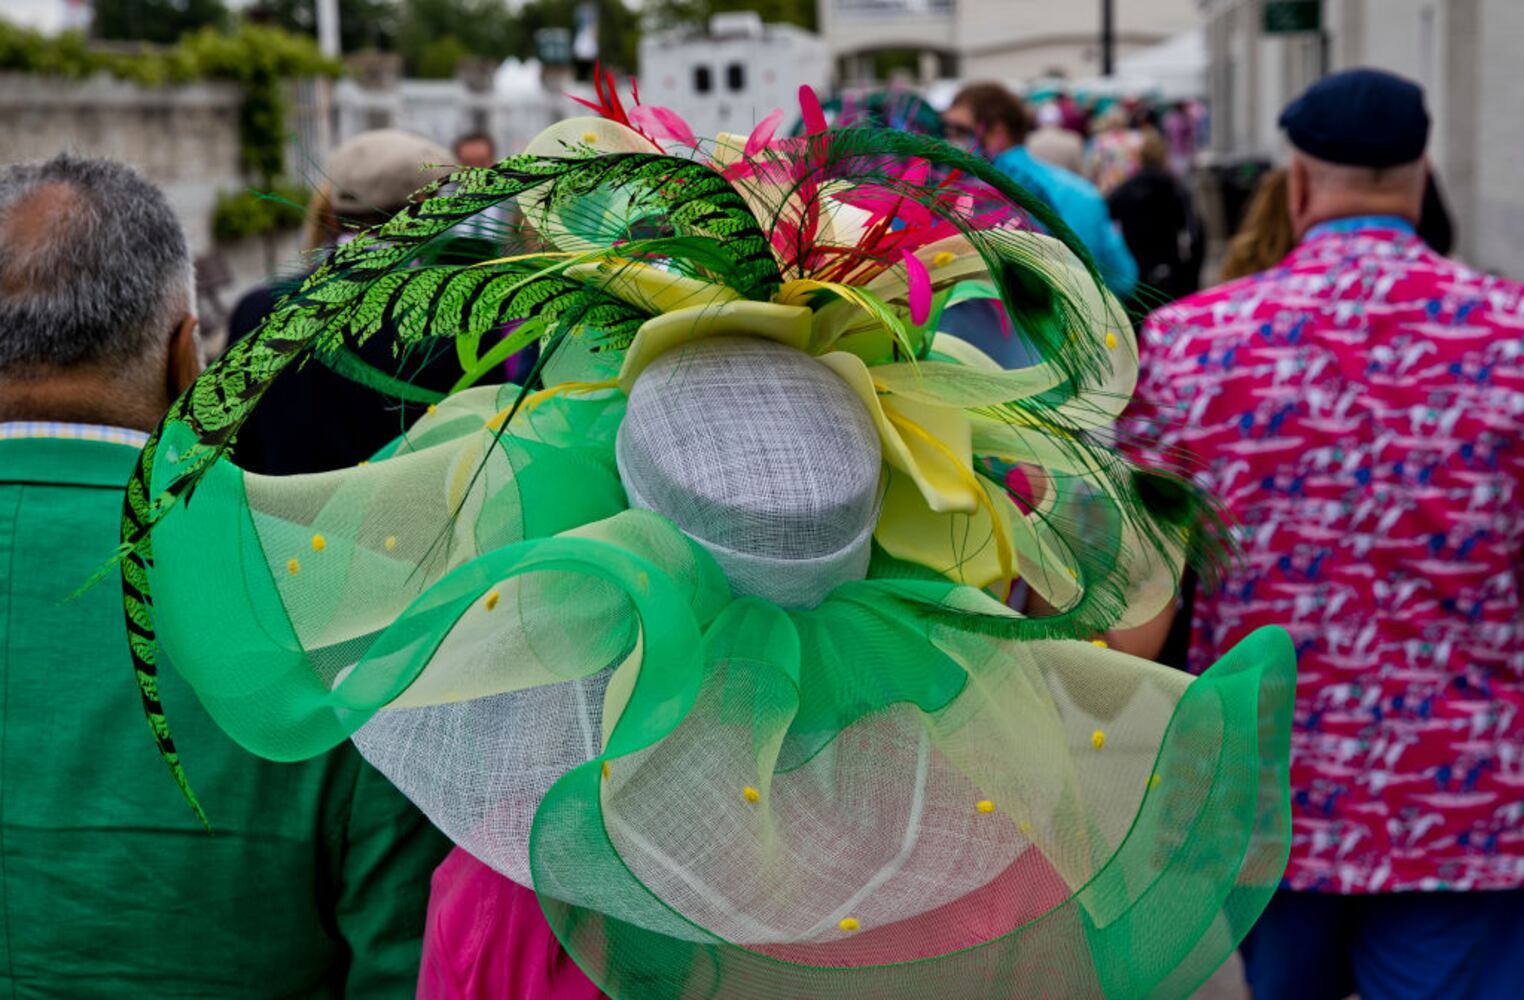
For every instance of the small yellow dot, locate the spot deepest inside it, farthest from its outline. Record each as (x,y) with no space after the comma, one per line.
(391,542)
(1099,643)
(363,461)
(491,601)
(985,806)
(319,543)
(293,567)
(589,137)
(1098,739)
(1111,341)
(1072,572)
(432,409)
(942,259)
(750,794)
(1025,828)
(1153,782)
(848,924)
(605,770)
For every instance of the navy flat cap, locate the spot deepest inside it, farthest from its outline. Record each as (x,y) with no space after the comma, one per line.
(1360,118)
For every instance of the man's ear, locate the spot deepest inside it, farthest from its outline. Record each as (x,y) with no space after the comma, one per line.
(184,356)
(1298,194)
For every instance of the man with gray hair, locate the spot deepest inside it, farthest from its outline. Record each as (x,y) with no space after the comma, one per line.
(315,879)
(1359,408)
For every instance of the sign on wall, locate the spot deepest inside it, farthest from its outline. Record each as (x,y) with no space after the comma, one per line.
(1284,17)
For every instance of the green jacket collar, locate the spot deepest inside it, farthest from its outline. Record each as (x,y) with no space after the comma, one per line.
(66,462)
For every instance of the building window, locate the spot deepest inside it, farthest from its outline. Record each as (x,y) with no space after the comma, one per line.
(703,80)
(735,77)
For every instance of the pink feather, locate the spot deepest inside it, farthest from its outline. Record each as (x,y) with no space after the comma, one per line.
(919,280)
(662,123)
(763,133)
(809,107)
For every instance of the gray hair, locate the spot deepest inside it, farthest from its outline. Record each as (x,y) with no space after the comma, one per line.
(94,267)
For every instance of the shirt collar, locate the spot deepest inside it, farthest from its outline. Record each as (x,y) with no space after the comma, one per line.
(57,429)
(1359,223)
(1016,154)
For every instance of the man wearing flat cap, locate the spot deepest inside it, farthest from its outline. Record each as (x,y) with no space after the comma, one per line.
(1359,408)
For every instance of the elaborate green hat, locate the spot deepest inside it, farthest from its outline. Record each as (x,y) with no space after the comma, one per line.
(703,633)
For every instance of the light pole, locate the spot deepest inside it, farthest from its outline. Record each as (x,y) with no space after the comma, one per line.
(1108,37)
(328,27)
(327,12)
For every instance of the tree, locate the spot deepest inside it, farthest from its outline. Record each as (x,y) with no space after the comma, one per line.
(479,27)
(160,21)
(363,24)
(618,28)
(440,58)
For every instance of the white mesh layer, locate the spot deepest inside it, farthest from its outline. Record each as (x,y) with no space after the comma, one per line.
(479,768)
(763,456)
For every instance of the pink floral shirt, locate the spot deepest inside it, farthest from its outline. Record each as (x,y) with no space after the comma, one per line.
(1359,409)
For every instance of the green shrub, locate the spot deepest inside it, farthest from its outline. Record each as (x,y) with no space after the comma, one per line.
(440,57)
(240,214)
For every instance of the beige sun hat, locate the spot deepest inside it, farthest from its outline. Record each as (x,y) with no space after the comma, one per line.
(377,171)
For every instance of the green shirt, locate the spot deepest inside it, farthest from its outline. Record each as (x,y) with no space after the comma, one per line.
(315,879)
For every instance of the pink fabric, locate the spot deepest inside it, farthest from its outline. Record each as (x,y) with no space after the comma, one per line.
(1360,409)
(487,939)
(1029,889)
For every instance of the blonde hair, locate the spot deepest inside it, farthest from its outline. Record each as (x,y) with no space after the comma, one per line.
(1264,238)
(1152,152)
(320,227)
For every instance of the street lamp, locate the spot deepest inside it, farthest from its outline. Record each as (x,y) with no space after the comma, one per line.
(328,27)
(327,12)
(1108,37)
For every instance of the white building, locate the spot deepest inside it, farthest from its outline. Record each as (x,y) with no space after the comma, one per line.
(48,16)
(1465,53)
(730,76)
(1009,40)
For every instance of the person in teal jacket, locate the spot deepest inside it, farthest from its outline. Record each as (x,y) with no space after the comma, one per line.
(315,877)
(987,118)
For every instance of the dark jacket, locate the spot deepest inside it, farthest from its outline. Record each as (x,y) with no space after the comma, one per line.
(1161,229)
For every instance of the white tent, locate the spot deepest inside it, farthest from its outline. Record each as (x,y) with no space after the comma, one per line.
(1175,69)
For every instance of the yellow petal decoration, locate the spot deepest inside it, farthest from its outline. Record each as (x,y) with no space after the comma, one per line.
(1151,575)
(788,325)
(961,546)
(939,468)
(651,288)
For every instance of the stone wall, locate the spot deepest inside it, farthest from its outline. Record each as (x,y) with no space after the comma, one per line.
(184,139)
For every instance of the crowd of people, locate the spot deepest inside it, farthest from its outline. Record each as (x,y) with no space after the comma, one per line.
(1118,171)
(1348,393)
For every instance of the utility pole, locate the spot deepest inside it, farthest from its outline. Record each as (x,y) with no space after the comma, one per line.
(1108,37)
(327,16)
(328,27)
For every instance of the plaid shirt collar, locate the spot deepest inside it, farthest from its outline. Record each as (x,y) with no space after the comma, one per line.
(18,429)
